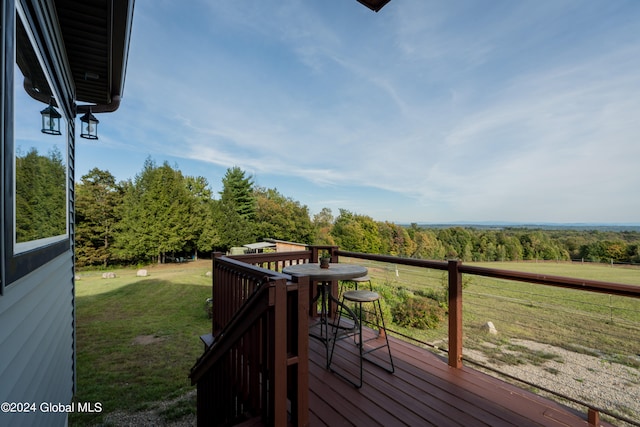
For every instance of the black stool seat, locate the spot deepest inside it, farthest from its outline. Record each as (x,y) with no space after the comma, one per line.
(359,297)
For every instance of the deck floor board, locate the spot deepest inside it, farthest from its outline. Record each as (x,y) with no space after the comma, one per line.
(422,391)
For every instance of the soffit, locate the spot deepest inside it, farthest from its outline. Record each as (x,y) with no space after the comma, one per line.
(96,36)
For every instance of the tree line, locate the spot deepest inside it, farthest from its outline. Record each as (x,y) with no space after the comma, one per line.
(40,195)
(361,233)
(162,214)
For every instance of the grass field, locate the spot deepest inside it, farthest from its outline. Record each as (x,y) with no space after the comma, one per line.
(137,337)
(563,317)
(592,271)
(582,313)
(604,328)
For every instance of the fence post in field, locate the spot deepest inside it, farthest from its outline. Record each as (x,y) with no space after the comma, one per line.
(455,314)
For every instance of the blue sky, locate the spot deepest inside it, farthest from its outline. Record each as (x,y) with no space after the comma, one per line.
(428,111)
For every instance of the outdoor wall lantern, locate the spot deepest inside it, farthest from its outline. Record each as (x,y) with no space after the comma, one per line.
(50,120)
(89,127)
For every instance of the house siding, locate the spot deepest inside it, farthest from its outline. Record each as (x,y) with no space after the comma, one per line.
(37,302)
(37,356)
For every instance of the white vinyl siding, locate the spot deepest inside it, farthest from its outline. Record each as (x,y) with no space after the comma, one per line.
(37,342)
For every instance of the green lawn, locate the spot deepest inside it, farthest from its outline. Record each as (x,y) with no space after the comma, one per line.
(137,337)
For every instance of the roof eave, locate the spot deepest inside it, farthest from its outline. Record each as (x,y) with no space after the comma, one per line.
(97,35)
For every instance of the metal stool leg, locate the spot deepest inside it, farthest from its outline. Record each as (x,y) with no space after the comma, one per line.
(360,297)
(386,338)
(355,331)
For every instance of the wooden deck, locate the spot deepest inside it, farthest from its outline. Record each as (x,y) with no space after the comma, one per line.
(423,391)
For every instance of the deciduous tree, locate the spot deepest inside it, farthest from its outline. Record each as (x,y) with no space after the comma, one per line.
(280,217)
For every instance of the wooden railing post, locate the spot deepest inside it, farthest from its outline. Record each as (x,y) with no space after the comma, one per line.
(316,249)
(455,314)
(315,254)
(278,300)
(333,252)
(300,370)
(215,311)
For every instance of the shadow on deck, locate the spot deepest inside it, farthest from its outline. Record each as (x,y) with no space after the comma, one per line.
(423,391)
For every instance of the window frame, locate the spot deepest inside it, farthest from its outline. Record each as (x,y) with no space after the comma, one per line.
(22,258)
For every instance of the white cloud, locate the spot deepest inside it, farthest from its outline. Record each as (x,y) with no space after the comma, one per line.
(481,111)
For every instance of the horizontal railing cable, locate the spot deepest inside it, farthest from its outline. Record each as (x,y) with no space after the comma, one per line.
(584,317)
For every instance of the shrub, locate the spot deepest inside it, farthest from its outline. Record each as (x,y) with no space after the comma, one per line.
(420,313)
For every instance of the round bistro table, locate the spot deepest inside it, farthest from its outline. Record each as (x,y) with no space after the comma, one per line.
(336,271)
(325,276)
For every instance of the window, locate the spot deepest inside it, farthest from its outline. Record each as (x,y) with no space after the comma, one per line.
(40,159)
(36,199)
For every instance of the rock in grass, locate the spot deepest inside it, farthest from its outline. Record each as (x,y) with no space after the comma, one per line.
(109,275)
(490,328)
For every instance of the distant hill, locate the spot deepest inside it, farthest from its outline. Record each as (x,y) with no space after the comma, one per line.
(542,226)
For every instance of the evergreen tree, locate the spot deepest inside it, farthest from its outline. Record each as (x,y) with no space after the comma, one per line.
(97,200)
(233,229)
(155,214)
(235,213)
(237,192)
(203,236)
(41,195)
(209,238)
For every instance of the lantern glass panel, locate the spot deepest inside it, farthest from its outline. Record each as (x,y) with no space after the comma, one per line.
(50,121)
(89,128)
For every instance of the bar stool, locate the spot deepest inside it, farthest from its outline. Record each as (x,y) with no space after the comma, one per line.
(354,283)
(345,283)
(359,297)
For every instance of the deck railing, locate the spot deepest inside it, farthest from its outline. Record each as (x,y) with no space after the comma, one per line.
(455,271)
(276,261)
(248,270)
(258,362)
